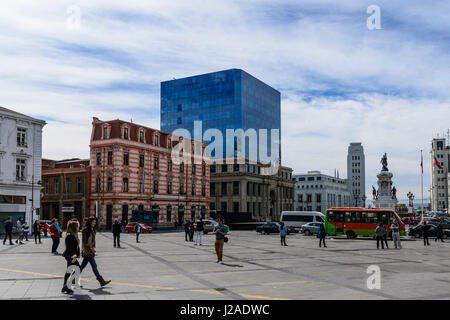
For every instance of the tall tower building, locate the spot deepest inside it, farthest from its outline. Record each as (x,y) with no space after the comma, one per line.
(439,176)
(356,174)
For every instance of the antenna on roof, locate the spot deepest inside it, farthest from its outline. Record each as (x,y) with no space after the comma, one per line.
(131,120)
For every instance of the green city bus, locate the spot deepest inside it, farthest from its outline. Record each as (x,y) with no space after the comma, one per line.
(354,222)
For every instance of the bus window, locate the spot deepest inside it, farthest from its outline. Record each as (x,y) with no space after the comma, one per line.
(339,217)
(372,217)
(356,217)
(348,217)
(384,217)
(330,216)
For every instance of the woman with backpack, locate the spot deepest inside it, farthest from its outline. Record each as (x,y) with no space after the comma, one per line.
(88,249)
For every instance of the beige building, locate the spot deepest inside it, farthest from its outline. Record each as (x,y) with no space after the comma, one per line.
(244,188)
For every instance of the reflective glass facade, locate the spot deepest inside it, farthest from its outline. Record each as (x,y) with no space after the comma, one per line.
(229,99)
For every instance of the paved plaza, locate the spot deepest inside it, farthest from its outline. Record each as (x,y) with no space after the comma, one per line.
(165,266)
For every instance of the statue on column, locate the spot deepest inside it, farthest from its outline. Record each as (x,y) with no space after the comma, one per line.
(394,193)
(374,193)
(384,163)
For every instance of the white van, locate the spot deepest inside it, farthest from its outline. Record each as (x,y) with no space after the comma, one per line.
(296,219)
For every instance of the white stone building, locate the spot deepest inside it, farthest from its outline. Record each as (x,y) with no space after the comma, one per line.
(356,174)
(20,165)
(315,191)
(440,177)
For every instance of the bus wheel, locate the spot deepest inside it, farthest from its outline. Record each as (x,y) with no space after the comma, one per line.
(350,234)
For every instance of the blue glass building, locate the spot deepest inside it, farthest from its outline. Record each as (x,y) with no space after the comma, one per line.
(229,99)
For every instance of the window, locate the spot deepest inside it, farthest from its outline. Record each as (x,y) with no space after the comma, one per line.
(203,190)
(141,136)
(212,189)
(78,185)
(56,186)
(46,189)
(169,143)
(193,189)
(310,178)
(125,185)
(318,198)
(179,121)
(105,132)
(155,186)
(224,206)
(110,184)
(141,185)
(179,108)
(236,207)
(193,168)
(169,188)
(212,168)
(259,190)
(99,158)
(235,187)
(181,188)
(20,169)
(169,165)
(156,140)
(156,162)
(204,169)
(224,188)
(169,213)
(125,133)
(224,168)
(110,157)
(236,167)
(182,166)
(21,137)
(125,158)
(309,198)
(141,160)
(97,184)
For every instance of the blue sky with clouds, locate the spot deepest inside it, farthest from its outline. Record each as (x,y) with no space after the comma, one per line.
(340,82)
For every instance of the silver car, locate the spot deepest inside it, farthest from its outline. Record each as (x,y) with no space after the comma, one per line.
(310,228)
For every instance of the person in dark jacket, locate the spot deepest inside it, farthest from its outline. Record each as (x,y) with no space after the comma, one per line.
(283,233)
(88,249)
(199,232)
(191,231)
(186,229)
(440,232)
(116,230)
(380,232)
(138,230)
(8,231)
(37,231)
(72,252)
(425,233)
(322,234)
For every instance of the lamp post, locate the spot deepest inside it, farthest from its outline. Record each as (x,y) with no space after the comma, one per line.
(32,197)
(364,198)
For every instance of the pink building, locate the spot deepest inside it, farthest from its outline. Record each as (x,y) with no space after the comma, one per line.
(132,170)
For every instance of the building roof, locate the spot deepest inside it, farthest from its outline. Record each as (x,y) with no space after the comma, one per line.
(20,115)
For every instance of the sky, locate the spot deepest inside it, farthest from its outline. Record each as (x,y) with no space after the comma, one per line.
(340,82)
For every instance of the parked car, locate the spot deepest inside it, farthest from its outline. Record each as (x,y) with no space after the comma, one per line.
(310,228)
(270,227)
(130,227)
(432,232)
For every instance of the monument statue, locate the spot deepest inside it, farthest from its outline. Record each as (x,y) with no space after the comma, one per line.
(394,193)
(374,192)
(384,163)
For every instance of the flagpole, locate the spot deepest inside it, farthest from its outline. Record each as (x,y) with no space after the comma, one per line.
(421,157)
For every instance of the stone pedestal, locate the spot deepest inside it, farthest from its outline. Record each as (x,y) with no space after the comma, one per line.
(385,198)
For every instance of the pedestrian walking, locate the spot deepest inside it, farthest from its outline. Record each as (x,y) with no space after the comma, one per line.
(26,230)
(8,231)
(191,231)
(37,231)
(425,233)
(322,234)
(186,229)
(72,252)
(220,231)
(138,230)
(19,228)
(283,233)
(116,230)
(88,249)
(73,219)
(55,234)
(45,229)
(439,232)
(199,232)
(380,232)
(396,234)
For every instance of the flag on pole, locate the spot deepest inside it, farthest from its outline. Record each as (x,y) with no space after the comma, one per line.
(436,163)
(421,162)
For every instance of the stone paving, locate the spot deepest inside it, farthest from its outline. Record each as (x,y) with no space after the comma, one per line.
(163,266)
